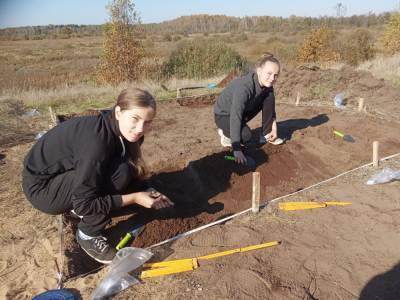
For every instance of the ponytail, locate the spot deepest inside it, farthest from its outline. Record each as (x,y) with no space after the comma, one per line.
(267,57)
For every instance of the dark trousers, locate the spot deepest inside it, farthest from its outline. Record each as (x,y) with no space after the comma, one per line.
(54,195)
(223,122)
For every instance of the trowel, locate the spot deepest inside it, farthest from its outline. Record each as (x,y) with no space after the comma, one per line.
(250,162)
(345,137)
(134,233)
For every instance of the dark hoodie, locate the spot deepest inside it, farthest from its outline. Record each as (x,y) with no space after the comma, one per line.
(87,145)
(241,100)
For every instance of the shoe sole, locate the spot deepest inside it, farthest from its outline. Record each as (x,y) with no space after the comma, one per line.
(75,215)
(106,262)
(225,145)
(278,141)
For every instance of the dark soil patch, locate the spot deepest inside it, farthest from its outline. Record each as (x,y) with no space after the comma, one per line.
(197,101)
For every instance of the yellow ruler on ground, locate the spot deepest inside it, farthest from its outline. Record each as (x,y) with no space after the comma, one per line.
(189,264)
(309,205)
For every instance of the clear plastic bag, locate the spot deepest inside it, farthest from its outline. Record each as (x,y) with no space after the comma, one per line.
(386,175)
(339,100)
(30,113)
(126,260)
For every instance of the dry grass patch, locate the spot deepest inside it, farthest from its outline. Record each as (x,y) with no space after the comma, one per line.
(46,64)
(384,67)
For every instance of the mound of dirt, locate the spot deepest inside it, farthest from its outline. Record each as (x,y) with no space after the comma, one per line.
(197,101)
(321,86)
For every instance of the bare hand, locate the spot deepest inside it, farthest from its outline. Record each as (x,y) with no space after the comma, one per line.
(272,136)
(147,199)
(239,157)
(160,200)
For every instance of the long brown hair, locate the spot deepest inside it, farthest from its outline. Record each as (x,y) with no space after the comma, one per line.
(128,99)
(265,57)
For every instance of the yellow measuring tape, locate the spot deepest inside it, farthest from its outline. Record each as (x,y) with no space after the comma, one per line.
(189,264)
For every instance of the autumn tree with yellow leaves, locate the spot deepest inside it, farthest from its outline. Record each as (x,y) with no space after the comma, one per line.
(121,59)
(318,47)
(391,36)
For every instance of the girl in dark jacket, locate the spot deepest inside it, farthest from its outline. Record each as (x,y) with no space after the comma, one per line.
(242,100)
(93,165)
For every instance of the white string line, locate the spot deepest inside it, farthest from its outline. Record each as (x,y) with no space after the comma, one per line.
(262,205)
(61,267)
(84,274)
(329,179)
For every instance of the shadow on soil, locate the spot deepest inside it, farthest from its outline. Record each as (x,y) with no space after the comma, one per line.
(288,127)
(190,189)
(383,286)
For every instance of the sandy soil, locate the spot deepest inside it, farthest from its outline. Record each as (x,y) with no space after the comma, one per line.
(332,253)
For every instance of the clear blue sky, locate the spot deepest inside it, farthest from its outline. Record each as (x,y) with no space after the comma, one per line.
(14,13)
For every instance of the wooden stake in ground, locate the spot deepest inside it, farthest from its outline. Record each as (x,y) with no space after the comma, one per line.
(178,93)
(52,117)
(255,199)
(360,104)
(298,99)
(375,153)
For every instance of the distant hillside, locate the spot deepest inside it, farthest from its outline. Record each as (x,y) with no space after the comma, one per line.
(221,23)
(49,32)
(200,24)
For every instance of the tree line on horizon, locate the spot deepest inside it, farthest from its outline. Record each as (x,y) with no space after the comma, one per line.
(201,24)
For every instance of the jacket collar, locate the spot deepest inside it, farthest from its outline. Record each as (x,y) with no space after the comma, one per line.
(114,123)
(257,85)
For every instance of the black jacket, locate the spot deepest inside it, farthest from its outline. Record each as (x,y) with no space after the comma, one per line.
(88,145)
(241,100)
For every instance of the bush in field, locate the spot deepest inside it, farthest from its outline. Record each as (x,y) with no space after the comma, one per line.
(166,37)
(194,59)
(122,52)
(176,38)
(152,68)
(241,37)
(318,47)
(358,47)
(391,36)
(284,50)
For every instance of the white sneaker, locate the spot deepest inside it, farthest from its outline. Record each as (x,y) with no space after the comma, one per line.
(225,142)
(265,139)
